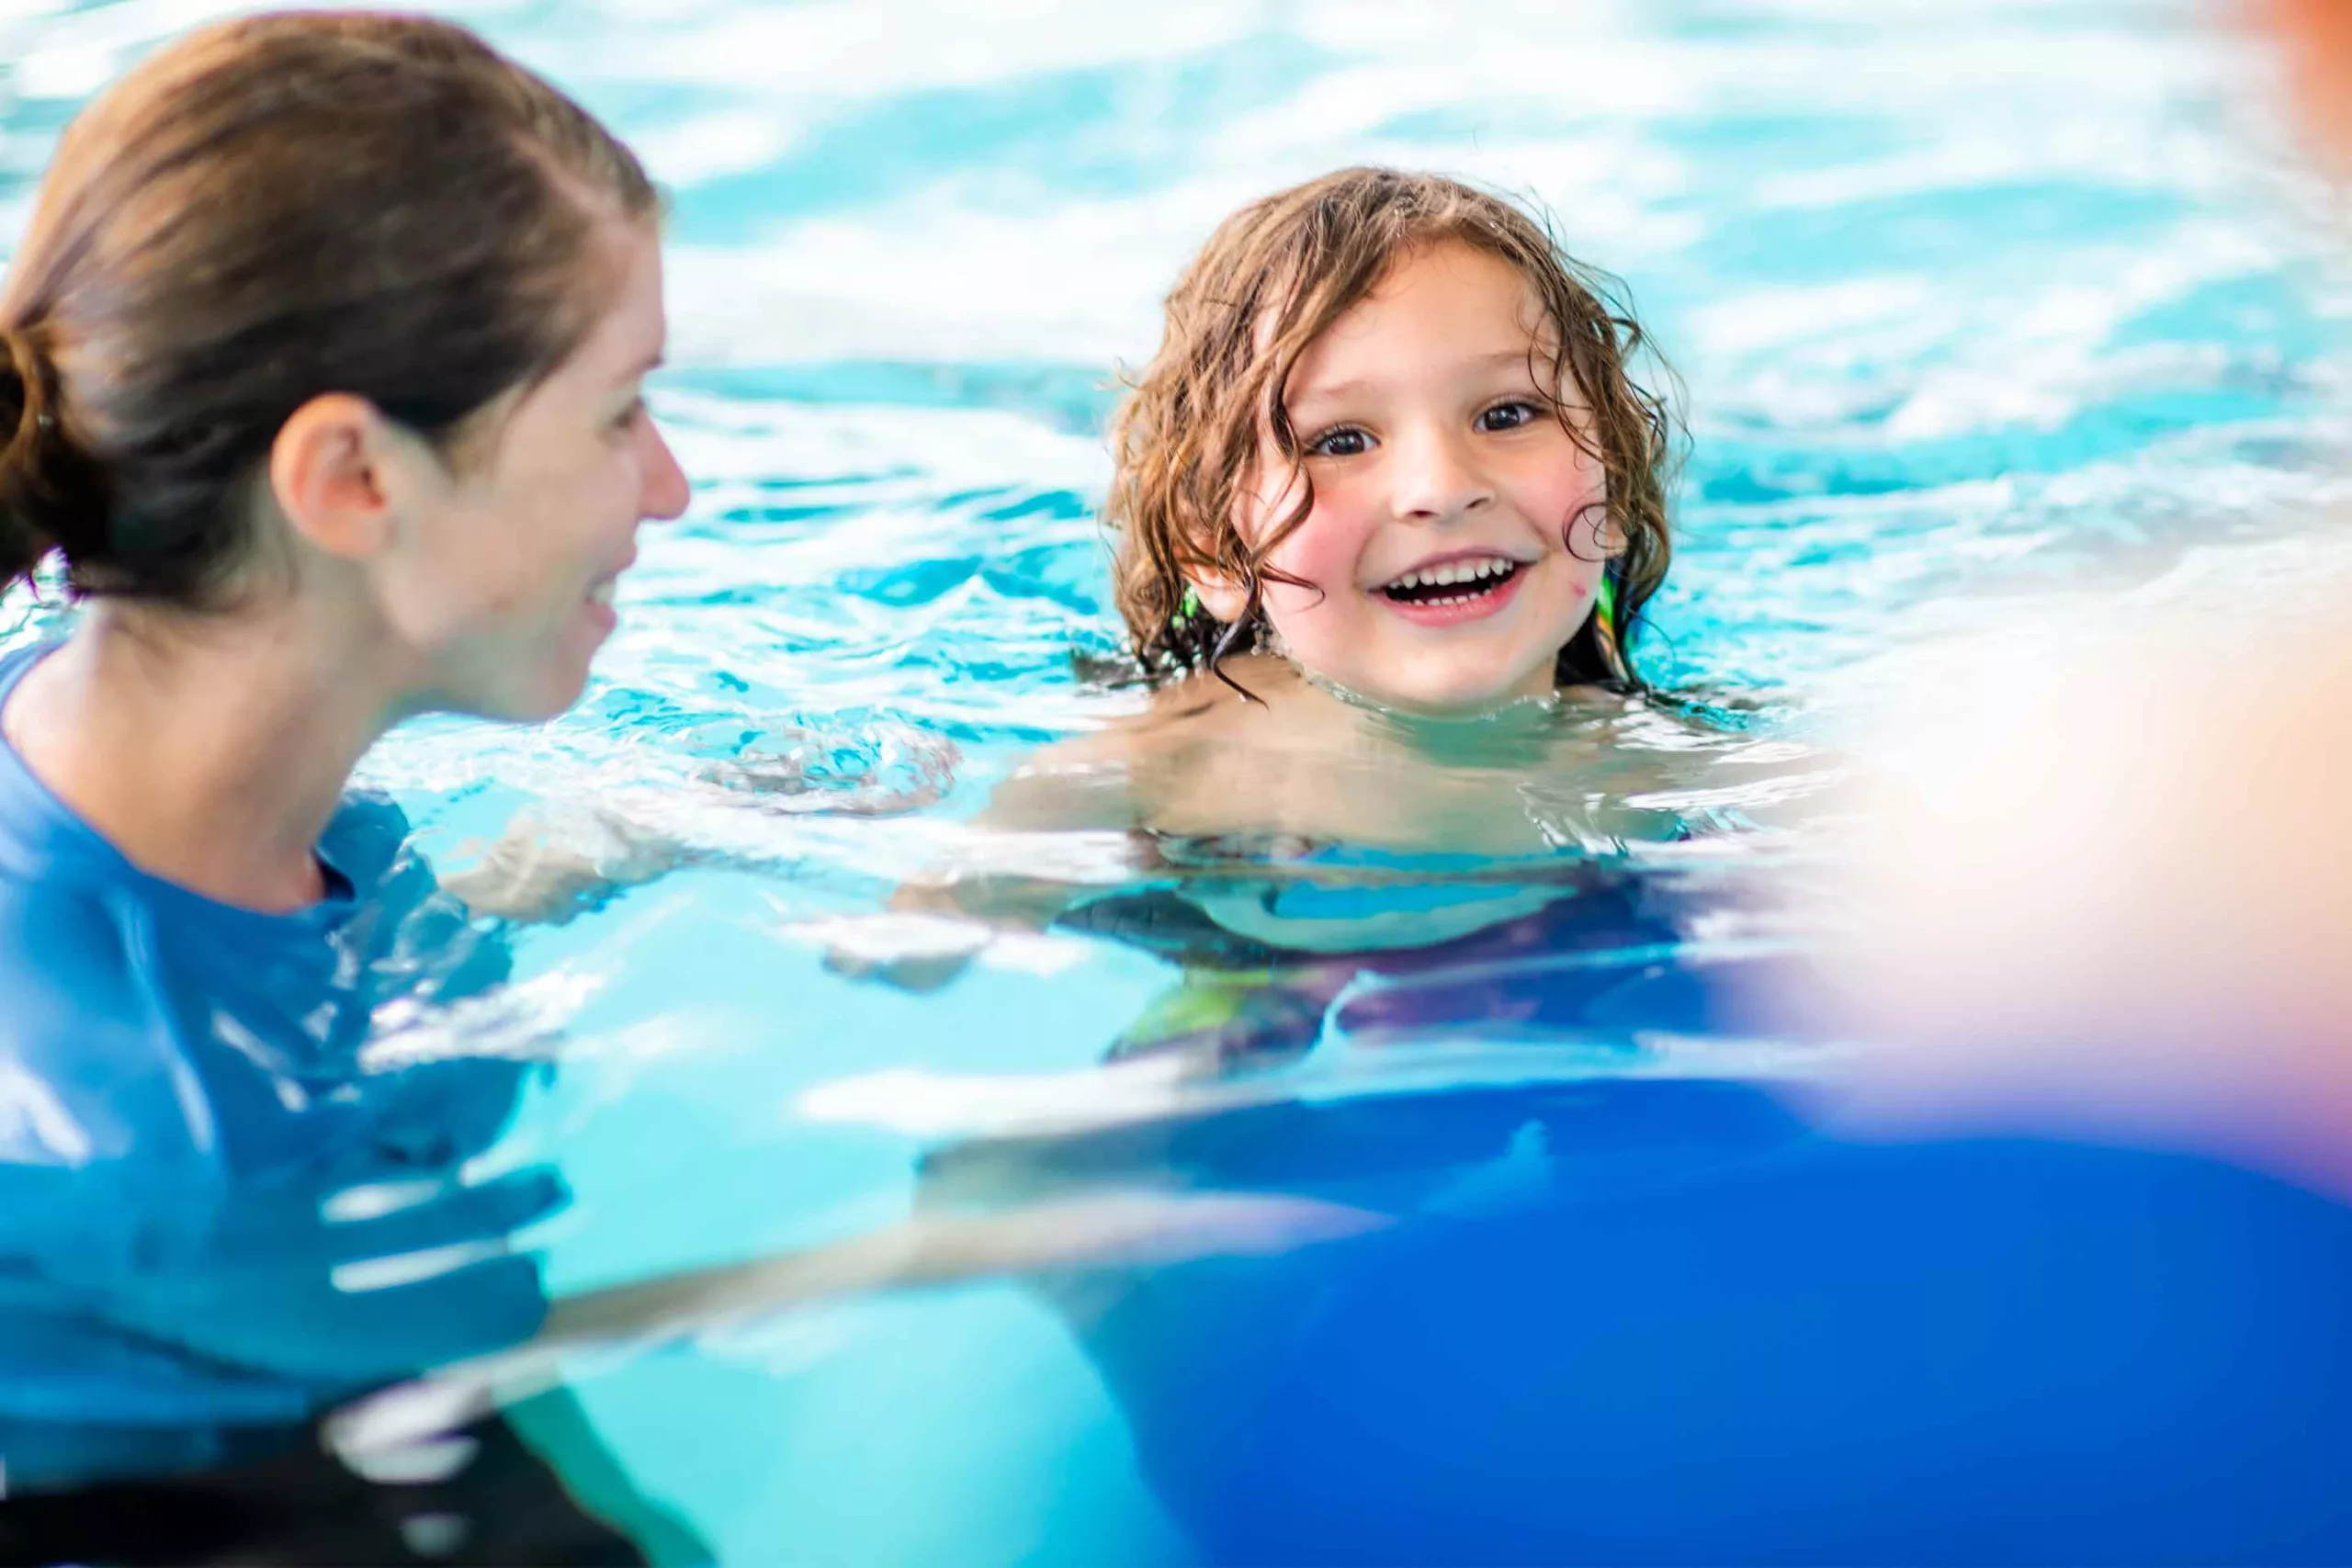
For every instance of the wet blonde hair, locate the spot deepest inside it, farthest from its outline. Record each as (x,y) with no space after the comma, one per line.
(1272,278)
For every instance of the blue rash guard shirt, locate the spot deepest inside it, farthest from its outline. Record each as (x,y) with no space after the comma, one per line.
(216,1213)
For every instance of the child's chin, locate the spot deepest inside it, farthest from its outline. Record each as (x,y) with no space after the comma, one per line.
(1454,699)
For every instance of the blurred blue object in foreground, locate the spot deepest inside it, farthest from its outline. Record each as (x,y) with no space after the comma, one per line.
(1663,1321)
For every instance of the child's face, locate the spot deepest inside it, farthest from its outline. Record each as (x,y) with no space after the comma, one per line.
(1433,452)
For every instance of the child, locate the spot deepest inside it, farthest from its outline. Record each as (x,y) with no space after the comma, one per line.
(1388,472)
(1388,506)
(1391,432)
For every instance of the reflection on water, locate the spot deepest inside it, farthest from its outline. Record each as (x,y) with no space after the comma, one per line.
(2016,299)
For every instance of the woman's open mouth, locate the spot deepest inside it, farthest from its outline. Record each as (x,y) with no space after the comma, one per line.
(1461,589)
(599,603)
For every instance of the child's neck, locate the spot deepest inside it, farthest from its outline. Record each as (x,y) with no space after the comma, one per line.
(1511,734)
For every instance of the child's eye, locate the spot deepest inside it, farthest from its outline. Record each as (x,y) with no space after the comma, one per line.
(630,415)
(1515,414)
(1344,442)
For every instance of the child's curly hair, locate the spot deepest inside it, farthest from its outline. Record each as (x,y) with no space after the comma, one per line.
(1271,279)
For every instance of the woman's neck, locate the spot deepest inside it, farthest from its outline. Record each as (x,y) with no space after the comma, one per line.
(212,752)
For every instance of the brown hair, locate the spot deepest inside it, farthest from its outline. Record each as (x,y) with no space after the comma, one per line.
(266,211)
(1271,279)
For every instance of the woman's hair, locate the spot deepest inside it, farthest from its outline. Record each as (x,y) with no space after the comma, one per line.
(1274,278)
(268,210)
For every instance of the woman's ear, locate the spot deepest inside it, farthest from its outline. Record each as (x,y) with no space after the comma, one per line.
(332,472)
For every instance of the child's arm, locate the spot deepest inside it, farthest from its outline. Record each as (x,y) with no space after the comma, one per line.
(1079,787)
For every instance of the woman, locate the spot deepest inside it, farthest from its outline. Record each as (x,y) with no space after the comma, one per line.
(320,371)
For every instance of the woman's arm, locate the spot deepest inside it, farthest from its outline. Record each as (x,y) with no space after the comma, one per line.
(1106,1230)
(538,874)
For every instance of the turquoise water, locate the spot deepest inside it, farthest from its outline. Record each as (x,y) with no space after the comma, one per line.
(2020,301)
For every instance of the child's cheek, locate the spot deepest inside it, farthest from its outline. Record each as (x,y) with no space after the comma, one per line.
(1578,499)
(1327,549)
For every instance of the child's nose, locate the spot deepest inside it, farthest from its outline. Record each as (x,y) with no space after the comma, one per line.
(1437,478)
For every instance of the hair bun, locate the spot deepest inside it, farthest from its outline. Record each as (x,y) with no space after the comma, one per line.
(24,417)
(41,483)
(18,390)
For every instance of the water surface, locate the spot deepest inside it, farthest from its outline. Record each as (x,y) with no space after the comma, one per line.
(2018,301)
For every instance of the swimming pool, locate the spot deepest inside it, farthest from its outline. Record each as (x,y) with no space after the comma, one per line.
(2017,302)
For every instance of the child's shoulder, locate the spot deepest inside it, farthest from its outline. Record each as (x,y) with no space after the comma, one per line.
(1116,775)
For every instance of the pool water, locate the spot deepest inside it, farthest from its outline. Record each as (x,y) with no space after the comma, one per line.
(2021,302)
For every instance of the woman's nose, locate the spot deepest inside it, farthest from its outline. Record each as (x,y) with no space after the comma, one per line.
(1435,477)
(665,491)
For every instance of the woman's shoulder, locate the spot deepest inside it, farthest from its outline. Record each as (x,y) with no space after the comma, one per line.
(91,1073)
(93,949)
(66,941)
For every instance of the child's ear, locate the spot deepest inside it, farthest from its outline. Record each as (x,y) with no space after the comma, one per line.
(1609,540)
(1221,597)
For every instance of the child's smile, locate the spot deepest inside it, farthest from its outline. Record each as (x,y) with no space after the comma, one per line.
(1456,537)
(1466,585)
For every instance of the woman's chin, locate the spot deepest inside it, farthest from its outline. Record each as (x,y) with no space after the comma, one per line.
(537,698)
(554,699)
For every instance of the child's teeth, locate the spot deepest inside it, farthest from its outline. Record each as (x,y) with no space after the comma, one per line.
(1450,573)
(600,594)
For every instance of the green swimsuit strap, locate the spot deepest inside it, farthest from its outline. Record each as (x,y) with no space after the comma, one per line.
(1604,615)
